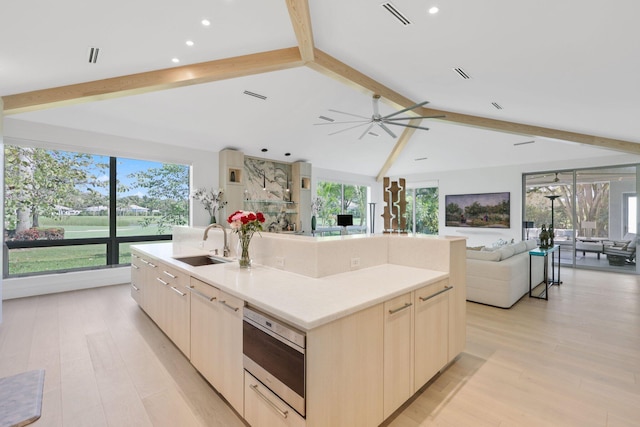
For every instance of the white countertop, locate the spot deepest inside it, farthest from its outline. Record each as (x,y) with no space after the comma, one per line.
(303,301)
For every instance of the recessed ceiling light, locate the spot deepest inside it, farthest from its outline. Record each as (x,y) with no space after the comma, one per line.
(287,154)
(189,43)
(433,10)
(206,22)
(264,150)
(175,60)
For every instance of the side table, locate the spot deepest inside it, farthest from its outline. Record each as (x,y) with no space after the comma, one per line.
(544,252)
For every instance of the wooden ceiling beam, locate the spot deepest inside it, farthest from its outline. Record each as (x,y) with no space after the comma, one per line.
(301,20)
(337,70)
(168,78)
(532,130)
(402,142)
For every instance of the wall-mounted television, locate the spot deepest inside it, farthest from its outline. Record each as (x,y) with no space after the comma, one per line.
(345,220)
(486,210)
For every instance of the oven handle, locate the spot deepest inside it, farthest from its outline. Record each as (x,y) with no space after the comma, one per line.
(282,413)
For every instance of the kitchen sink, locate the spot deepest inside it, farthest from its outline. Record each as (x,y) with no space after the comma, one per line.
(199,260)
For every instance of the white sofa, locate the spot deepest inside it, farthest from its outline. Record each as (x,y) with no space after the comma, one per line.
(501,277)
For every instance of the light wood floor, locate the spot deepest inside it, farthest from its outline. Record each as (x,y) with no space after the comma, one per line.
(571,361)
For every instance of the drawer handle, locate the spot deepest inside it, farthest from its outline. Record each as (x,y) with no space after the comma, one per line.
(446,288)
(135,287)
(229,306)
(152,265)
(169,274)
(197,292)
(282,413)
(177,291)
(395,310)
(144,260)
(135,266)
(135,256)
(161,281)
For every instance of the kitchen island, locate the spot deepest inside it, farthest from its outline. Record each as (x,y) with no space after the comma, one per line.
(374,335)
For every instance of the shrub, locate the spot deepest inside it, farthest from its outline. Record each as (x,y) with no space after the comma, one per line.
(30,234)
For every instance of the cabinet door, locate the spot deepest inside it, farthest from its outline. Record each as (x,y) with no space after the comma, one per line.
(138,279)
(398,352)
(228,370)
(431,331)
(264,409)
(177,308)
(205,311)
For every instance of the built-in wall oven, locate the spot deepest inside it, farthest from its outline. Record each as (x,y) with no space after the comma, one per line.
(274,353)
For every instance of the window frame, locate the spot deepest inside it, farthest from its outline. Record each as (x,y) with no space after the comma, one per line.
(112,242)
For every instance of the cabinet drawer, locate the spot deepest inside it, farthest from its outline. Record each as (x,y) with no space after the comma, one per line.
(262,408)
(203,290)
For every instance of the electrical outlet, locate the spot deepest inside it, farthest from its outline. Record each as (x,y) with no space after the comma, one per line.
(279,261)
(355,262)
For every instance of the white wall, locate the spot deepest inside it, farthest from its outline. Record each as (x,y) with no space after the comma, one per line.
(493,180)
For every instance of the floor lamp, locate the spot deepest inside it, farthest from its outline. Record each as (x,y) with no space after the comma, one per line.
(552,198)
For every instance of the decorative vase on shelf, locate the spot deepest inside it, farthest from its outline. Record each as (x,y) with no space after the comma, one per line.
(212,219)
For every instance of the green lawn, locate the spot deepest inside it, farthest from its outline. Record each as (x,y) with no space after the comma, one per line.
(32,260)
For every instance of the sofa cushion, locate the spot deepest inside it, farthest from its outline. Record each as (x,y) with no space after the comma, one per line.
(631,237)
(519,247)
(506,252)
(531,244)
(475,248)
(484,255)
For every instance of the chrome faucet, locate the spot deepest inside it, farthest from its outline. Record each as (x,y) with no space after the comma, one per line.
(225,249)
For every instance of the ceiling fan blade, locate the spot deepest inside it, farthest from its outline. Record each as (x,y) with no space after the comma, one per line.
(366,131)
(349,114)
(349,128)
(386,129)
(406,125)
(339,123)
(406,109)
(414,118)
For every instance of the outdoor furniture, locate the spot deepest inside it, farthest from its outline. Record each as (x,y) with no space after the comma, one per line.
(622,251)
(589,245)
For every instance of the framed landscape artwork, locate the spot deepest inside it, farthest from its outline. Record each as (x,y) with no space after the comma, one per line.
(486,210)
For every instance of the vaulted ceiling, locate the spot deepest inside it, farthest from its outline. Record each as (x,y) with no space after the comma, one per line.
(560,74)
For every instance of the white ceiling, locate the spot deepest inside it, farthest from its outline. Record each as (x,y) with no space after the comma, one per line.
(569,65)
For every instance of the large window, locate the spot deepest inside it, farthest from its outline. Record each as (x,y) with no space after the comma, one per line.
(422,210)
(338,198)
(66,211)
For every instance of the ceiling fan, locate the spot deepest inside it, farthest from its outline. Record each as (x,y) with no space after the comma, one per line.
(381,121)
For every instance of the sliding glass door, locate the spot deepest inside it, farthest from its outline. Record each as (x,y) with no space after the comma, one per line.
(594,214)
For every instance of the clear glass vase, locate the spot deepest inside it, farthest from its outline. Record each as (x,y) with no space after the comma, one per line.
(244,260)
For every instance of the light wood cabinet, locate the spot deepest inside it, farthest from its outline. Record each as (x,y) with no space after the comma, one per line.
(205,311)
(216,340)
(177,307)
(262,408)
(431,305)
(344,371)
(138,278)
(398,352)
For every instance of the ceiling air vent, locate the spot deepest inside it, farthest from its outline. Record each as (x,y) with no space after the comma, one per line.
(93,54)
(523,143)
(498,106)
(255,95)
(396,13)
(462,73)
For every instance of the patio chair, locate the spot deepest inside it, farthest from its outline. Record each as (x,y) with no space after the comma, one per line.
(621,251)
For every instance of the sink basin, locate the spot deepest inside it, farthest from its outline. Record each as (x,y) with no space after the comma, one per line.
(199,260)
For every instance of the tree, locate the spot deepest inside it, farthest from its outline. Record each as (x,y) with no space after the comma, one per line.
(168,191)
(36,180)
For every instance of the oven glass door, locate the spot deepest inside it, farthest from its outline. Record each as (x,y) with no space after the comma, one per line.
(279,359)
